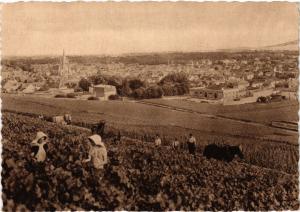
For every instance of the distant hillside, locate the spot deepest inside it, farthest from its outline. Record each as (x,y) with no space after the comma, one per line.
(291,45)
(287,46)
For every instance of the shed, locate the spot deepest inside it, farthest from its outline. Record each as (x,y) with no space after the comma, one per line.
(103,91)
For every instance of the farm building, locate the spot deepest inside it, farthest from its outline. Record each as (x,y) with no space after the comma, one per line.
(103,91)
(290,94)
(218,94)
(242,85)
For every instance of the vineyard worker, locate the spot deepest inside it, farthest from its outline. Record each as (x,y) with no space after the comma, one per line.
(117,139)
(157,140)
(175,144)
(97,152)
(192,144)
(38,146)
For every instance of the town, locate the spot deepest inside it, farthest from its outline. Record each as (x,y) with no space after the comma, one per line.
(217,77)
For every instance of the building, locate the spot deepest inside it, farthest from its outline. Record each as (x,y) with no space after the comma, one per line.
(103,91)
(256,84)
(289,93)
(242,85)
(215,94)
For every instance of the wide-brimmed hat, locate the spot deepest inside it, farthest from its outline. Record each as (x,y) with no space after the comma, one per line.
(39,135)
(97,140)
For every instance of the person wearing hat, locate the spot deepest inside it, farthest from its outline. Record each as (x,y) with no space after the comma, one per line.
(97,152)
(38,147)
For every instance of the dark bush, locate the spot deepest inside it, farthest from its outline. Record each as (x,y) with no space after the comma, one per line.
(138,93)
(84,84)
(136,83)
(153,92)
(113,97)
(71,95)
(78,89)
(93,98)
(60,96)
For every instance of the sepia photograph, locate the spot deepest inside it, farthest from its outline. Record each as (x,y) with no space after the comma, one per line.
(149,106)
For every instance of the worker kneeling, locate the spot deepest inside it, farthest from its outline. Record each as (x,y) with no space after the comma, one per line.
(97,152)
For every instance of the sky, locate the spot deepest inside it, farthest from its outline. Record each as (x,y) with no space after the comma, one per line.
(115,28)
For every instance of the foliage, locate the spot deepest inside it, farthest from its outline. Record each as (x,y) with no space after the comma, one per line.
(97,79)
(125,90)
(153,92)
(174,78)
(71,95)
(139,93)
(135,84)
(138,176)
(78,89)
(92,98)
(175,84)
(84,84)
(114,81)
(113,97)
(60,96)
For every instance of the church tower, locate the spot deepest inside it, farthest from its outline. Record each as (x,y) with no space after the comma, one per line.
(63,70)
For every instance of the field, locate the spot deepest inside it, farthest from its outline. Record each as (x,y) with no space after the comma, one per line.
(261,113)
(138,176)
(130,114)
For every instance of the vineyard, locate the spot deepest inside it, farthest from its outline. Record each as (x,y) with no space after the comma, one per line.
(140,176)
(124,114)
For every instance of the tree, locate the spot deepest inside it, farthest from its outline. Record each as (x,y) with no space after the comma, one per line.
(174,78)
(139,93)
(84,84)
(97,79)
(153,92)
(168,90)
(126,90)
(136,83)
(114,81)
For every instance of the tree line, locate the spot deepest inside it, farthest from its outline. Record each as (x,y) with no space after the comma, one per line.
(171,85)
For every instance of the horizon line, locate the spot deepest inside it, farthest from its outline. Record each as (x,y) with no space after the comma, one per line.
(234,49)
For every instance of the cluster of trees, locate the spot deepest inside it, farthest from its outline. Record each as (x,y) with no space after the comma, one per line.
(171,85)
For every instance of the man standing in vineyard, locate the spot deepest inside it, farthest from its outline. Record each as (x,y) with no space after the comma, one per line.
(157,140)
(192,144)
(175,144)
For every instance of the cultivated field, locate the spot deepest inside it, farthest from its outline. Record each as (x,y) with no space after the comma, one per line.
(126,114)
(262,144)
(256,112)
(138,176)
